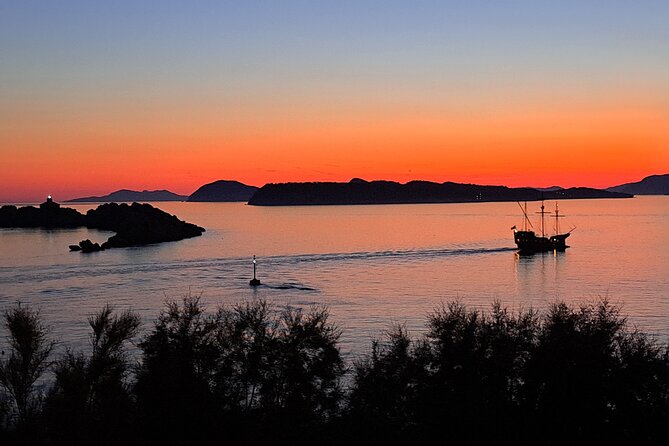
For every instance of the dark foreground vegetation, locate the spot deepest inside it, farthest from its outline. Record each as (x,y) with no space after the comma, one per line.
(250,374)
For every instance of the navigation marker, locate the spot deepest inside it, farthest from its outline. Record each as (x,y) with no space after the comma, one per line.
(254,282)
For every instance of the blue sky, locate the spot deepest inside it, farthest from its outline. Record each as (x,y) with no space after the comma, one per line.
(76,75)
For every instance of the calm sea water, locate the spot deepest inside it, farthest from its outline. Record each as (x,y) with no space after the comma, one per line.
(371,265)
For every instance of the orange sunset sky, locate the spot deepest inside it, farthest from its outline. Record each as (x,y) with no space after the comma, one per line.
(96,98)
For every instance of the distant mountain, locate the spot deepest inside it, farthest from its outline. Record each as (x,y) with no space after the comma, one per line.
(358,191)
(223,190)
(125,195)
(549,189)
(652,185)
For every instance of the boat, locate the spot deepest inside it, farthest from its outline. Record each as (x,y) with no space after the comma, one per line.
(529,242)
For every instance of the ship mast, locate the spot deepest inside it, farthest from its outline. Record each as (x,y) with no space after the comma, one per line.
(543,213)
(526,220)
(557,219)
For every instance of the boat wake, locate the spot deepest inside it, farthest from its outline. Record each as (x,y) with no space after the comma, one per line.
(222,267)
(289,286)
(401,254)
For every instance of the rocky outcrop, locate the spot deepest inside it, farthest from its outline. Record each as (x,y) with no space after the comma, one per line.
(86,246)
(139,224)
(135,224)
(44,217)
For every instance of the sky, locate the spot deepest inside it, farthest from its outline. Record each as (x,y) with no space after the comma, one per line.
(97,96)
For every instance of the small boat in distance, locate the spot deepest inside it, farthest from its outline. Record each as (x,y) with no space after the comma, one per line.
(529,243)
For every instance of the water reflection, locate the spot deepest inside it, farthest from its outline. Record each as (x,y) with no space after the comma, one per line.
(370,264)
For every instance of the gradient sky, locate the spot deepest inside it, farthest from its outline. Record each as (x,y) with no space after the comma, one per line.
(97,96)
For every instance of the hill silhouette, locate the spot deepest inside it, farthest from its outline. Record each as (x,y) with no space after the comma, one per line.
(359,191)
(223,190)
(651,185)
(126,195)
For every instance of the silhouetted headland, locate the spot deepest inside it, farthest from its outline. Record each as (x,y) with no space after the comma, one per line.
(223,190)
(139,224)
(125,195)
(48,215)
(651,185)
(135,224)
(359,191)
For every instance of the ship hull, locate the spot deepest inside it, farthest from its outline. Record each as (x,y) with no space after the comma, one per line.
(529,243)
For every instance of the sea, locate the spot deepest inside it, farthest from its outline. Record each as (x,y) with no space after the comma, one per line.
(371,266)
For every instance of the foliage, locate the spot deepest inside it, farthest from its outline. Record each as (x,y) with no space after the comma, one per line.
(597,379)
(248,367)
(26,362)
(90,401)
(174,380)
(569,375)
(251,374)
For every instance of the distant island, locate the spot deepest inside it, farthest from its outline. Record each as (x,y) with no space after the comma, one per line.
(549,189)
(135,224)
(223,190)
(125,195)
(359,191)
(651,185)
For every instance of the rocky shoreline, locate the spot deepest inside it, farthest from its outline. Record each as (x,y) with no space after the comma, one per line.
(135,224)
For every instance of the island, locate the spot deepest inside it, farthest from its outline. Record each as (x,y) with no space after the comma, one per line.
(358,191)
(651,185)
(48,215)
(223,190)
(135,224)
(128,196)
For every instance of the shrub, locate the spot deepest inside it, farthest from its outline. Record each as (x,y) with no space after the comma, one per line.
(26,362)
(571,375)
(90,401)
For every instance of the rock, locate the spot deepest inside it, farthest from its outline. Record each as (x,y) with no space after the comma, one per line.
(48,215)
(139,224)
(135,225)
(87,246)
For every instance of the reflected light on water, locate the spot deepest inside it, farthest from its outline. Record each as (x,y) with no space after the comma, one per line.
(371,265)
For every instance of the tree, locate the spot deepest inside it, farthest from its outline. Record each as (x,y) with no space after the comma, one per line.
(90,401)
(247,341)
(597,379)
(382,406)
(309,369)
(254,372)
(174,380)
(28,358)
